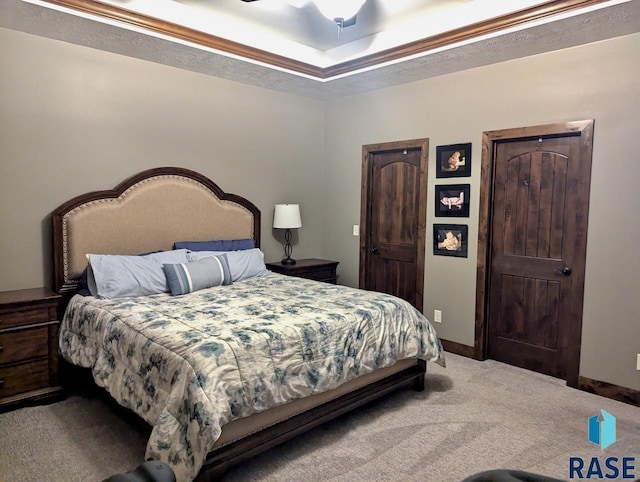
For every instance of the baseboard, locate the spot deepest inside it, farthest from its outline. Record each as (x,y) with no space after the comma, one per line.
(458,348)
(608,390)
(604,389)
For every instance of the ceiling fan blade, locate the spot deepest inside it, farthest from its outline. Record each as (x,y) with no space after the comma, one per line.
(350,21)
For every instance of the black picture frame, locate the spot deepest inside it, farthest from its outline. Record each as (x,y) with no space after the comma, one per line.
(452,200)
(453,160)
(450,240)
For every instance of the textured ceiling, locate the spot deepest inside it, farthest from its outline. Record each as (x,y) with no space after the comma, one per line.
(607,20)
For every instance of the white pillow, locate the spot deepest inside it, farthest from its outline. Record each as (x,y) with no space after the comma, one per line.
(116,276)
(243,264)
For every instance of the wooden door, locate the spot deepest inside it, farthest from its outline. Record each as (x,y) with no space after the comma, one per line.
(394,219)
(537,251)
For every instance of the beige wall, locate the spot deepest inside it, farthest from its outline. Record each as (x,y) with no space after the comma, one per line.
(74,119)
(599,81)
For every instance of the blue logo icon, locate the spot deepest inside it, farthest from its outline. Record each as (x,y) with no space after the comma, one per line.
(602,429)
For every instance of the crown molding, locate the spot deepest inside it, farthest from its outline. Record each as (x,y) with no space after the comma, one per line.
(466,33)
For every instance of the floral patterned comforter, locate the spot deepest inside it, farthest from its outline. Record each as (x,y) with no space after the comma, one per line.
(190,364)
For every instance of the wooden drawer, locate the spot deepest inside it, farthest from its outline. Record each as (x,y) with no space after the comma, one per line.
(323,274)
(28,347)
(24,377)
(25,317)
(311,268)
(19,345)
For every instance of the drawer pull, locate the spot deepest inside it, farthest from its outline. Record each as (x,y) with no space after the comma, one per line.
(1,382)
(1,348)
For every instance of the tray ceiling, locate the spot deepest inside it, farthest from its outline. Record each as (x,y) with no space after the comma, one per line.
(288,45)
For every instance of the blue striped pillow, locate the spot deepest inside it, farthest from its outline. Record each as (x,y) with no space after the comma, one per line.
(185,278)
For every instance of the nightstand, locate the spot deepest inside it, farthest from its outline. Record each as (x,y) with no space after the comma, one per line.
(312,268)
(28,347)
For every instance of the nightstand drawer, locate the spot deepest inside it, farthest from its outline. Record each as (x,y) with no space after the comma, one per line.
(18,345)
(24,377)
(28,347)
(324,274)
(25,317)
(311,268)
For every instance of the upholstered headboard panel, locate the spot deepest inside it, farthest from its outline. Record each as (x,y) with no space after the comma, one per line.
(147,212)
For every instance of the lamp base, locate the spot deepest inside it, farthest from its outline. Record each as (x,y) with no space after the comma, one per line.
(287,249)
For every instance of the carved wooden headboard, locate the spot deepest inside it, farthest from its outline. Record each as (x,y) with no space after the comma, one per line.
(147,212)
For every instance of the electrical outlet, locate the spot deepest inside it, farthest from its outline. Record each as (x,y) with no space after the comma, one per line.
(638,362)
(437,316)
(356,230)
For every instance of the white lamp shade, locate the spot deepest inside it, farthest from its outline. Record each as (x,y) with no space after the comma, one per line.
(344,9)
(287,216)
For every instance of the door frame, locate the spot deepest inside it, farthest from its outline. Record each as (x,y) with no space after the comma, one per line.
(368,152)
(583,129)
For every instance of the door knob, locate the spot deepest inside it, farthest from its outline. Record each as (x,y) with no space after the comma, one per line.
(374,250)
(566,271)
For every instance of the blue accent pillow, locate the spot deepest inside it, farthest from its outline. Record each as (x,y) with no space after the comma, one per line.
(83,283)
(117,276)
(207,272)
(220,245)
(244,264)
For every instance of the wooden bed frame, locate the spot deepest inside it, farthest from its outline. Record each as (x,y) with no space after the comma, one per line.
(128,224)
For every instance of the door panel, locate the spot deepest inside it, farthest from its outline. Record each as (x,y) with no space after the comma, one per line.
(395,223)
(393,219)
(532,317)
(534,238)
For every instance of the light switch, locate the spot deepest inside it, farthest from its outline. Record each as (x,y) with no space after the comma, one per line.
(356,230)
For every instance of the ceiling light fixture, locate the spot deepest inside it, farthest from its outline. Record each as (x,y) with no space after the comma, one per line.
(339,10)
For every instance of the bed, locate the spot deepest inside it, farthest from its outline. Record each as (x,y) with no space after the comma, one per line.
(224,372)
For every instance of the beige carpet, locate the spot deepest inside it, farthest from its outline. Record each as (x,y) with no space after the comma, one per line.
(473,416)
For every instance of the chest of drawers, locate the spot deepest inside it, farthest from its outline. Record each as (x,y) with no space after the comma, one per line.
(28,347)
